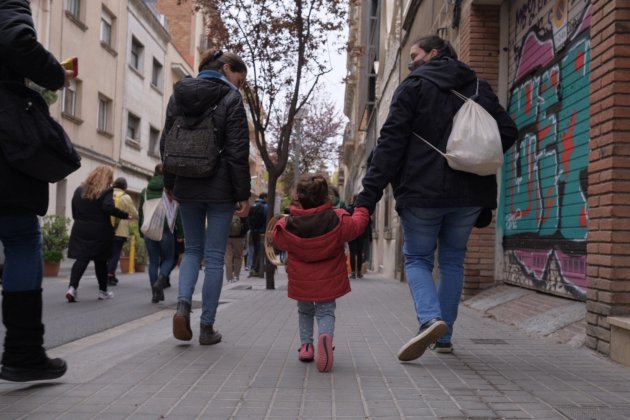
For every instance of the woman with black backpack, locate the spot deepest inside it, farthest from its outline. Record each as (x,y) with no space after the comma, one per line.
(207,201)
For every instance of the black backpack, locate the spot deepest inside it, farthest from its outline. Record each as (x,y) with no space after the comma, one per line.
(257,216)
(191,147)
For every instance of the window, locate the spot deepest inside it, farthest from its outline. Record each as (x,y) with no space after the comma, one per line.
(106,28)
(73,7)
(69,99)
(136,54)
(156,75)
(104,113)
(133,127)
(154,142)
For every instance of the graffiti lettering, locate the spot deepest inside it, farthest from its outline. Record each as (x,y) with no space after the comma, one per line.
(544,205)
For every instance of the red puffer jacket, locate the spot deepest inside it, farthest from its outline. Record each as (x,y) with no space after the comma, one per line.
(314,239)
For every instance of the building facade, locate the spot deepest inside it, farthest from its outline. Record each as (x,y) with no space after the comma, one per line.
(558,67)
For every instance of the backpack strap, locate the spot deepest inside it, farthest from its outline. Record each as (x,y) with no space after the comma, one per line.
(464,97)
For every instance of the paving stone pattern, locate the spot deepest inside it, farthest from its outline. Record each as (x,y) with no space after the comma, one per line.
(255,374)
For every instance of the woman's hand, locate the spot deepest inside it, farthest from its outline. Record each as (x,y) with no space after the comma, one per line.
(242,208)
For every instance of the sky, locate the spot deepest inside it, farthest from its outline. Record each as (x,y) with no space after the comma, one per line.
(333,84)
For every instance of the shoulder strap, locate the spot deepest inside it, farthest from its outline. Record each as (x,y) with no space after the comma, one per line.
(464,97)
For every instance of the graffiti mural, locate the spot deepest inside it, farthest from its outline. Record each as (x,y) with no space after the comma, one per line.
(544,196)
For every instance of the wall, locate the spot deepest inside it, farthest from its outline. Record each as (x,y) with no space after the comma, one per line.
(142,99)
(543,207)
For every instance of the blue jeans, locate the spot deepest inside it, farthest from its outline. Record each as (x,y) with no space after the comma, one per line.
(22,240)
(325,314)
(161,255)
(206,229)
(448,230)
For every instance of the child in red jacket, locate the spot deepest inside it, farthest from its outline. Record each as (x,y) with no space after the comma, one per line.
(314,235)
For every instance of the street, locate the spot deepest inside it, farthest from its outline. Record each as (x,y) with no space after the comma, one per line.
(66,322)
(137,370)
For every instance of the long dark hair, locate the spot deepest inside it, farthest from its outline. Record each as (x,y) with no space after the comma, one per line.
(434,42)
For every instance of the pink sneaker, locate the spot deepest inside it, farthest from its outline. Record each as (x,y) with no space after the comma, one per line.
(325,356)
(306,353)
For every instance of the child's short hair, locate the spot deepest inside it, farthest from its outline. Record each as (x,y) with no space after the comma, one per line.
(312,190)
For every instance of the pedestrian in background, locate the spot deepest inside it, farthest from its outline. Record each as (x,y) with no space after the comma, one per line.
(23,199)
(438,206)
(207,204)
(337,202)
(161,253)
(123,201)
(314,235)
(358,247)
(92,235)
(257,220)
(235,247)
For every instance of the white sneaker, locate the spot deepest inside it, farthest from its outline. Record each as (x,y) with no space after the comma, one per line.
(105,295)
(72,295)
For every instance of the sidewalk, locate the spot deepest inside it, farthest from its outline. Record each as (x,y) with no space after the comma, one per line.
(138,371)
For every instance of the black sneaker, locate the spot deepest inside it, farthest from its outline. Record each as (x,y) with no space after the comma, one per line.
(50,369)
(428,334)
(442,347)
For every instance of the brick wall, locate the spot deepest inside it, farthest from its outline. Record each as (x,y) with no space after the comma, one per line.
(608,250)
(479,47)
(180,25)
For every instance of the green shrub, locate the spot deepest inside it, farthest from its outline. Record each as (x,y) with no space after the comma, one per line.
(55,236)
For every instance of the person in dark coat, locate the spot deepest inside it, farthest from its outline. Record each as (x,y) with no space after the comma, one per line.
(314,235)
(358,247)
(207,204)
(92,235)
(23,199)
(438,206)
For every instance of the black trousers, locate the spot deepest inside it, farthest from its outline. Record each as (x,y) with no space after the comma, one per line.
(357,255)
(112,263)
(78,268)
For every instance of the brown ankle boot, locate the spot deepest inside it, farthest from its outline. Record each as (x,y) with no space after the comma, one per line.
(181,322)
(208,336)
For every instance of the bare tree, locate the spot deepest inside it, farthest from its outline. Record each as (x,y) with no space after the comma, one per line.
(317,140)
(283,43)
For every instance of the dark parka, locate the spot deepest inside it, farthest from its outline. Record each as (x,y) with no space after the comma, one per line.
(231,182)
(21,56)
(92,233)
(420,177)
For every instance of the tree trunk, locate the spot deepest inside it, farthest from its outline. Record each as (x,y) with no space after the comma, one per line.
(270,270)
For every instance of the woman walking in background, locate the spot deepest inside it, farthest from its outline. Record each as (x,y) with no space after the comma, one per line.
(161,253)
(92,235)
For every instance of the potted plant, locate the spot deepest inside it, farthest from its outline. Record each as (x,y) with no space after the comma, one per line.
(55,238)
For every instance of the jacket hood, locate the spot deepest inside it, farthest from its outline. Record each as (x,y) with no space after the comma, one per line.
(311,249)
(156,183)
(195,96)
(446,73)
